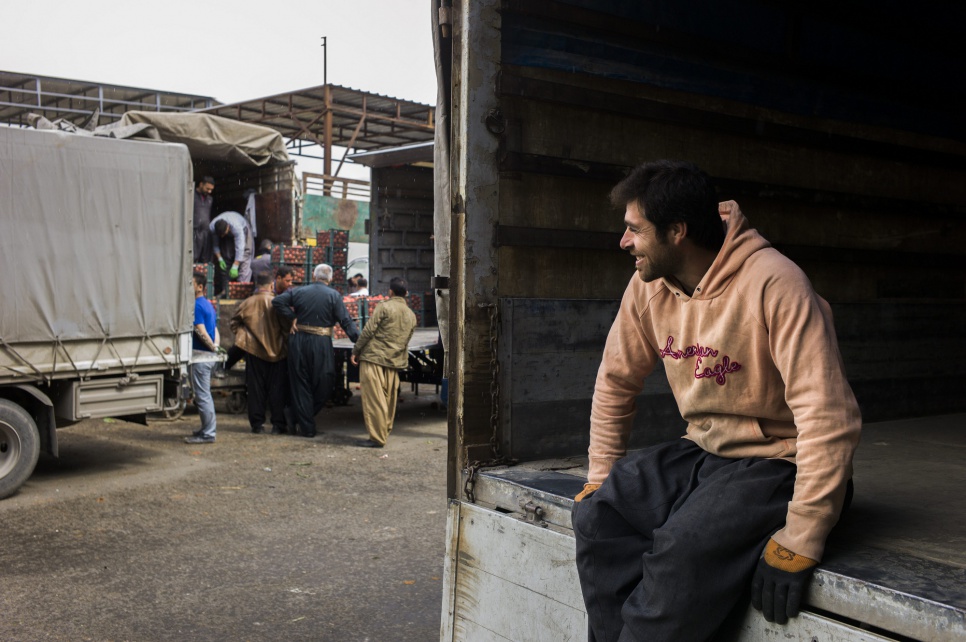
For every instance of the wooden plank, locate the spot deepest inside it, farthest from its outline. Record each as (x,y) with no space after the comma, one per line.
(516,580)
(548,326)
(475,207)
(563,273)
(639,106)
(562,428)
(446,633)
(807,626)
(548,132)
(569,375)
(540,560)
(469,631)
(543,200)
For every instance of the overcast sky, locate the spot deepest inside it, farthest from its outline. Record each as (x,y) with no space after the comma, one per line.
(229,50)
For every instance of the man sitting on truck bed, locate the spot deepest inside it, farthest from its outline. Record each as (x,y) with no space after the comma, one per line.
(669,537)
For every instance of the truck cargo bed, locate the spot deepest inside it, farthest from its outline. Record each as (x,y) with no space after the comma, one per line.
(895,567)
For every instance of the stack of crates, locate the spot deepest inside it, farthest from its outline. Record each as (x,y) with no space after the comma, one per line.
(360,309)
(296,257)
(333,247)
(369,304)
(208,270)
(415,302)
(352,307)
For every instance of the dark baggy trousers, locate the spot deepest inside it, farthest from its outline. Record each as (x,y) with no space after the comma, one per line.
(668,544)
(311,370)
(267,384)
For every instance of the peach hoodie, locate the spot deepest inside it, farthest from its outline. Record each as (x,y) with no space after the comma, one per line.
(755,369)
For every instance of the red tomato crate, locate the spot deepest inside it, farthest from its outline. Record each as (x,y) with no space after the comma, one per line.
(240,290)
(290,254)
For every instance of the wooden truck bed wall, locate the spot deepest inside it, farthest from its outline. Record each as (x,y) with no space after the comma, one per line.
(842,139)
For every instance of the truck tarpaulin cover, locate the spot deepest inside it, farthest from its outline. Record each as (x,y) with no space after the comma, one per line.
(211,137)
(95,237)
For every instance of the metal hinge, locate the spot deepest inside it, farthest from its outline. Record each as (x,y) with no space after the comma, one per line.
(532,513)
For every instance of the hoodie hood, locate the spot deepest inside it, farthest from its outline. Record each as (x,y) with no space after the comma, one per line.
(741,241)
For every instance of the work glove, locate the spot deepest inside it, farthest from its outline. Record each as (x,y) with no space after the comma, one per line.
(779,582)
(222,264)
(588,489)
(233,272)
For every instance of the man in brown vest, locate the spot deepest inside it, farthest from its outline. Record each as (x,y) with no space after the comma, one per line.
(260,333)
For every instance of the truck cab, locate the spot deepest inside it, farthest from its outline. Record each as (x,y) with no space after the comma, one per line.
(840,138)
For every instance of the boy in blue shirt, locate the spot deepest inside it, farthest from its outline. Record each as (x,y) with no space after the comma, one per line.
(205,339)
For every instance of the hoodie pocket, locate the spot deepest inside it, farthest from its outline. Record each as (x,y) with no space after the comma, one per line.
(736,437)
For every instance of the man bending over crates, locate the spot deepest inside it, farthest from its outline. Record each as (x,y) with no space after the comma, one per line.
(233,245)
(671,536)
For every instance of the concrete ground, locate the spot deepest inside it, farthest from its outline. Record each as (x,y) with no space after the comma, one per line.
(134,535)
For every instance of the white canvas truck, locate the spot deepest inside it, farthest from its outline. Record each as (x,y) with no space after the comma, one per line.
(96,303)
(839,131)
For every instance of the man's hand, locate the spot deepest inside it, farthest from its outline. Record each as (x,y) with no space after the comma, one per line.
(233,272)
(295,326)
(779,582)
(354,360)
(588,489)
(222,264)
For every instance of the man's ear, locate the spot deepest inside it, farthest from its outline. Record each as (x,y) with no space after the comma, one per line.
(677,232)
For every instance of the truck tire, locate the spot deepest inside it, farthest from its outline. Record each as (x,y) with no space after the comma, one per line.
(172,410)
(237,402)
(19,447)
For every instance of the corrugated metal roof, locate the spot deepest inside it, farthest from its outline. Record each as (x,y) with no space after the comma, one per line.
(360,120)
(76,100)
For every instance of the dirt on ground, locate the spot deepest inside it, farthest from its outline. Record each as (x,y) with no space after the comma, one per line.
(134,535)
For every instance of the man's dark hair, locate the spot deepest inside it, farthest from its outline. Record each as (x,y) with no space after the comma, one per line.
(670,192)
(362,283)
(263,278)
(398,286)
(264,247)
(207,179)
(200,279)
(221,226)
(283,271)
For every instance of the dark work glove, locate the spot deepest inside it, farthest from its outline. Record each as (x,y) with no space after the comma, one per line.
(778,593)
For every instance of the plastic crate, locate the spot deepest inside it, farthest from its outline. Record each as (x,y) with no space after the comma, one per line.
(340,257)
(208,271)
(240,290)
(332,247)
(291,254)
(319,255)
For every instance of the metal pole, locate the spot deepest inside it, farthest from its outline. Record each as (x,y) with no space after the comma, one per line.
(325,62)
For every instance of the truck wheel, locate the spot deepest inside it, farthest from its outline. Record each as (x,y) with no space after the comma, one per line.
(19,447)
(237,403)
(174,409)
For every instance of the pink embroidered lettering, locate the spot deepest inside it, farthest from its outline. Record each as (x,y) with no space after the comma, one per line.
(718,372)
